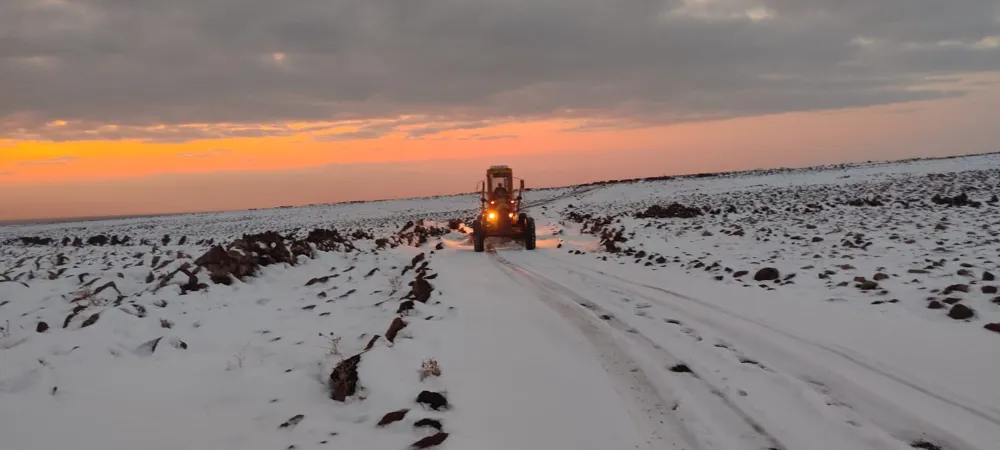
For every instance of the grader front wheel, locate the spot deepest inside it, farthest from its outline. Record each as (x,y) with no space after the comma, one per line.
(529,233)
(478,237)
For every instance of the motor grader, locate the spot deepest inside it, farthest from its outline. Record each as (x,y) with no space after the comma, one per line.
(500,213)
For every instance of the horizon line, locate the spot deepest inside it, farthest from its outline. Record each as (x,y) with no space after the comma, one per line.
(72,219)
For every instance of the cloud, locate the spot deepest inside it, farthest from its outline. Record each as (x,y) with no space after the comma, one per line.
(361,131)
(28,127)
(492,137)
(436,128)
(145,63)
(416,127)
(213,152)
(59,160)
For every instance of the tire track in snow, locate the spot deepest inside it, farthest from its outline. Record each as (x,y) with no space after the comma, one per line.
(895,420)
(649,411)
(790,402)
(843,353)
(743,430)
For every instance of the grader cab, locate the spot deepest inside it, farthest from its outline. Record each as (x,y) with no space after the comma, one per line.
(500,213)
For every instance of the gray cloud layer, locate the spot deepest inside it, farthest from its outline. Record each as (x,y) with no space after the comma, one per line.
(141,62)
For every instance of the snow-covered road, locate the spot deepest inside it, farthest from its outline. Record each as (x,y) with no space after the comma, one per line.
(556,376)
(754,384)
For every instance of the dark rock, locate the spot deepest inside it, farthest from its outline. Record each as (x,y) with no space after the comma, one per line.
(434,400)
(961,312)
(41,327)
(90,320)
(420,291)
(989,289)
(32,240)
(956,288)
(430,441)
(867,285)
(924,445)
(394,416)
(223,265)
(417,259)
(767,274)
(344,378)
(988,276)
(993,327)
(428,423)
(934,304)
(371,342)
(329,240)
(874,201)
(674,210)
(396,325)
(958,200)
(292,422)
(405,306)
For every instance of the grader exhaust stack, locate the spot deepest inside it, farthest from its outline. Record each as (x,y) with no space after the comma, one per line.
(500,213)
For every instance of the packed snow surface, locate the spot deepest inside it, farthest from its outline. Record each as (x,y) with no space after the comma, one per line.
(846,307)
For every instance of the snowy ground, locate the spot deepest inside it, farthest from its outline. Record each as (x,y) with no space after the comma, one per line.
(868,328)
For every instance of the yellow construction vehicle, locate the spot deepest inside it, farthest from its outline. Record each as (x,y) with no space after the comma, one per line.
(500,212)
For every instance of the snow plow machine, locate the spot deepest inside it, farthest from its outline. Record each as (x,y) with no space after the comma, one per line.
(500,213)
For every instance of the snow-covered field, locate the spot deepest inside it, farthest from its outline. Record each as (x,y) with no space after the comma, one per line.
(829,308)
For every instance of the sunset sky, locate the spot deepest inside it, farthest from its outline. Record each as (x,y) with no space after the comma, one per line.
(110,107)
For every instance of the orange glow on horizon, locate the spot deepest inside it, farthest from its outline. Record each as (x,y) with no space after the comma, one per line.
(35,162)
(74,178)
(48,162)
